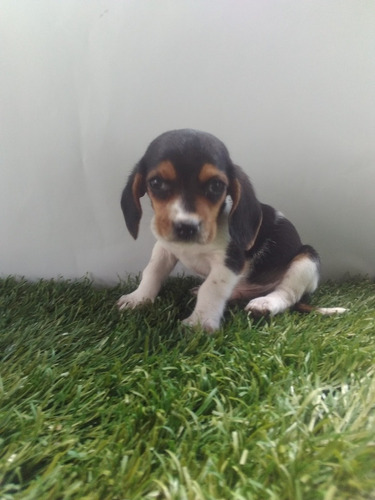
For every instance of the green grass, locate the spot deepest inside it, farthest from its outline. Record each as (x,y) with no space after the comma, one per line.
(98,405)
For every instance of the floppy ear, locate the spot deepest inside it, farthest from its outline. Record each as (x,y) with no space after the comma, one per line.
(130,203)
(246,214)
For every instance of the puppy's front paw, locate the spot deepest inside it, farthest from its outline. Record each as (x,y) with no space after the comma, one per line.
(131,301)
(208,324)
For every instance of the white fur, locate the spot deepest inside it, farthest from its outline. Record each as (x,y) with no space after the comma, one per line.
(212,297)
(330,310)
(301,277)
(207,261)
(179,214)
(161,264)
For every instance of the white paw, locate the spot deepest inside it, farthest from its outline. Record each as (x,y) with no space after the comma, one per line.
(132,300)
(196,320)
(266,306)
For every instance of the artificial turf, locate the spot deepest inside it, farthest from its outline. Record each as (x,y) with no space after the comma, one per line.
(100,405)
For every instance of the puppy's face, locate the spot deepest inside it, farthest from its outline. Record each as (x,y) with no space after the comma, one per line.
(188,175)
(186,203)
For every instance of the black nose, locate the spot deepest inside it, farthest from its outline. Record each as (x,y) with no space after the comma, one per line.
(186,231)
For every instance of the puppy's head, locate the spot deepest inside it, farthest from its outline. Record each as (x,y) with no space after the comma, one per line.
(188,175)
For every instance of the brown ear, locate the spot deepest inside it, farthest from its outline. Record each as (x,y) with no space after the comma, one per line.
(130,200)
(246,214)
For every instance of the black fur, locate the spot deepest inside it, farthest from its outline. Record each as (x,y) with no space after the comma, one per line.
(130,204)
(276,245)
(245,218)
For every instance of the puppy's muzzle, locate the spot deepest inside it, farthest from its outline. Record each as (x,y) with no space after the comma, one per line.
(186,231)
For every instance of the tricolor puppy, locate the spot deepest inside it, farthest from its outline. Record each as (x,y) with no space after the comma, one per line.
(208,217)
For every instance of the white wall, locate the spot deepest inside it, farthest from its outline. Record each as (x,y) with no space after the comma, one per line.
(288,85)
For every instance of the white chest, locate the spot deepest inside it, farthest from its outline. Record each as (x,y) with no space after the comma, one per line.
(200,259)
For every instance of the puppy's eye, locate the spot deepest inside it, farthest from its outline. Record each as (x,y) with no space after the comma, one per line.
(214,189)
(159,186)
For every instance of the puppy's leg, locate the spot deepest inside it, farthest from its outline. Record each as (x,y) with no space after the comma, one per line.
(301,277)
(212,297)
(161,264)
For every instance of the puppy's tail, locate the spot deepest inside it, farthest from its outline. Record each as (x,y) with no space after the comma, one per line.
(328,311)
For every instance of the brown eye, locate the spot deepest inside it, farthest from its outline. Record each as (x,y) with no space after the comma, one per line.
(160,187)
(214,189)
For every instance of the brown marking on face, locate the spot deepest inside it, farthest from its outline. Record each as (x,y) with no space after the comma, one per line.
(165,169)
(163,223)
(208,213)
(209,171)
(206,210)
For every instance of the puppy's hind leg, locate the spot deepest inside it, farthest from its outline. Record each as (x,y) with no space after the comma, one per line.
(300,278)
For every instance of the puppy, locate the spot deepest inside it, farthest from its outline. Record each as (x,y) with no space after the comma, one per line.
(208,217)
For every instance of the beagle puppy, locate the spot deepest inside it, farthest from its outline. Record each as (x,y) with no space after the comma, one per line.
(206,216)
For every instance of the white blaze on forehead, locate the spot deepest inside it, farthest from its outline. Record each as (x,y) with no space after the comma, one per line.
(177,213)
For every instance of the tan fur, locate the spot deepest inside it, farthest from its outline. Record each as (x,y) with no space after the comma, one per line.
(162,220)
(208,212)
(165,169)
(137,190)
(210,171)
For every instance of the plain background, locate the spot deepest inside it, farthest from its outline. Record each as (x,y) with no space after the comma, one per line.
(288,85)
